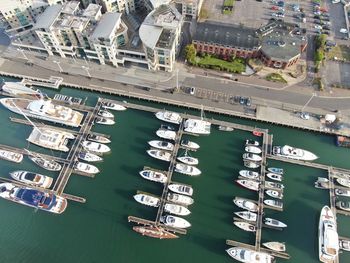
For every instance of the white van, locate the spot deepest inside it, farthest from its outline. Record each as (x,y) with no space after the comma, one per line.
(343,30)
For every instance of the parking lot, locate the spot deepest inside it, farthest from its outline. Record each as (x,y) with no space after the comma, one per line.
(337,73)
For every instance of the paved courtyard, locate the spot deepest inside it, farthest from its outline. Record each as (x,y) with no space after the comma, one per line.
(337,73)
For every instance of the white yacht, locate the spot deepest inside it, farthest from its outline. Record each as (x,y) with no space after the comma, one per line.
(169,116)
(113,106)
(245,226)
(275,246)
(98,138)
(252,149)
(249,184)
(11,156)
(146,199)
(247,215)
(225,128)
(181,189)
(89,157)
(33,198)
(276,177)
(180,199)
(166,134)
(189,144)
(50,138)
(342,192)
(96,147)
(187,169)
(154,176)
(176,209)
(328,240)
(175,221)
(44,110)
(18,89)
(293,153)
(86,168)
(47,164)
(273,185)
(105,121)
(162,145)
(276,170)
(249,174)
(251,143)
(197,126)
(105,114)
(273,203)
(35,179)
(252,165)
(344,182)
(274,193)
(245,204)
(273,222)
(187,159)
(160,155)
(249,256)
(252,157)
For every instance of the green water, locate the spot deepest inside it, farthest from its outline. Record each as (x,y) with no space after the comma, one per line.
(98,231)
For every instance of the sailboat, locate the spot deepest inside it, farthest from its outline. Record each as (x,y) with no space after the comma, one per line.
(197,126)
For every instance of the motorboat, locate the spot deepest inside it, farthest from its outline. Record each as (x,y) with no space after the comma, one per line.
(274,185)
(275,170)
(167,127)
(181,189)
(257,133)
(322,183)
(344,244)
(162,145)
(252,165)
(189,144)
(34,198)
(113,106)
(343,205)
(44,110)
(246,255)
(96,147)
(89,157)
(175,221)
(47,164)
(154,176)
(245,226)
(249,174)
(276,177)
(86,168)
(275,246)
(344,182)
(34,179)
(275,194)
(146,199)
(19,89)
(98,138)
(188,159)
(180,199)
(166,134)
(249,184)
(245,204)
(252,149)
(155,232)
(293,153)
(50,138)
(11,156)
(328,240)
(196,126)
(160,155)
(273,222)
(252,157)
(169,116)
(104,121)
(274,203)
(251,143)
(105,114)
(176,209)
(225,128)
(247,215)
(187,169)
(342,192)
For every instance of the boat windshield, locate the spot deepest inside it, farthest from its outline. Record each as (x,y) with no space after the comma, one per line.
(30,196)
(30,176)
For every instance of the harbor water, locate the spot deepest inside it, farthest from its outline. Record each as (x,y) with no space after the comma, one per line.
(98,231)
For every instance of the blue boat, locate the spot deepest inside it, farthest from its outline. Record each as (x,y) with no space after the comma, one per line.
(275,170)
(33,198)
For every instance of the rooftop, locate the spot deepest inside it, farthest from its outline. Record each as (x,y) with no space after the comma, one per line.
(48,17)
(73,22)
(70,7)
(226,34)
(107,26)
(92,10)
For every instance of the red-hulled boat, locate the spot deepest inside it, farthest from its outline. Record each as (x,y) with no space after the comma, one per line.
(155,232)
(257,133)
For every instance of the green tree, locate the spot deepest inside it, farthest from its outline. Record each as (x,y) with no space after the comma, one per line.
(190,53)
(319,55)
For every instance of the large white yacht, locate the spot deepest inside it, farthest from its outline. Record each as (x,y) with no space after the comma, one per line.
(177,209)
(86,168)
(175,221)
(181,189)
(249,256)
(162,145)
(293,153)
(245,204)
(32,178)
(197,126)
(96,147)
(169,116)
(44,110)
(160,155)
(19,89)
(328,236)
(187,169)
(147,199)
(180,199)
(154,176)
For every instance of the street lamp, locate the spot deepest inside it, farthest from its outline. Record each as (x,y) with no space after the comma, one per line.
(58,64)
(22,51)
(87,70)
(307,103)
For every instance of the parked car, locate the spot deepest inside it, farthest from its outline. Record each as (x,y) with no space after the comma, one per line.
(318,27)
(280,3)
(325,32)
(274,7)
(326,28)
(343,30)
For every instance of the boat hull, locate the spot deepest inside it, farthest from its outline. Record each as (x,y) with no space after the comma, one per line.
(154,232)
